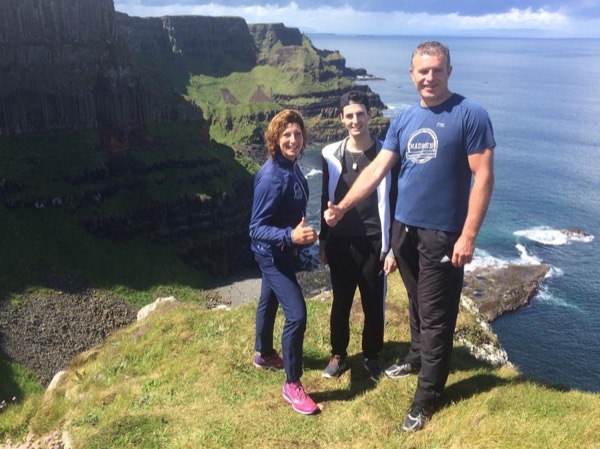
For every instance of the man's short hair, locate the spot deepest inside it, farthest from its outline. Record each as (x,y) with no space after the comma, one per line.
(354,97)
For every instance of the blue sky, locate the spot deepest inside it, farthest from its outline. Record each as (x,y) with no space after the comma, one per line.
(520,18)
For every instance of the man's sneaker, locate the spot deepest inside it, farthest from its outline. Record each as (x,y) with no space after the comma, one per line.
(294,394)
(335,367)
(401,370)
(416,418)
(272,362)
(372,366)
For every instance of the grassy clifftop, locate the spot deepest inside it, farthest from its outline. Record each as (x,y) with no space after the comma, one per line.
(288,75)
(183,378)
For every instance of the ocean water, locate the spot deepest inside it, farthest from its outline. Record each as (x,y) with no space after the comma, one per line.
(543,96)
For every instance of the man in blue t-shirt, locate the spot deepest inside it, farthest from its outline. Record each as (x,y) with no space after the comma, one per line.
(443,142)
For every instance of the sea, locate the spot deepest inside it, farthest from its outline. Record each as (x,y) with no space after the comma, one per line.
(543,97)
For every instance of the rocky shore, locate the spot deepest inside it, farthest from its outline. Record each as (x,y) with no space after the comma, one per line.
(496,291)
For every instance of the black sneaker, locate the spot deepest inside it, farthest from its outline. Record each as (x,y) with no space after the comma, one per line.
(372,366)
(401,370)
(335,367)
(417,416)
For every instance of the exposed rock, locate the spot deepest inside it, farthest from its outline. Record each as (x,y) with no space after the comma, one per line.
(65,66)
(148,309)
(314,282)
(479,339)
(267,36)
(578,235)
(44,331)
(498,290)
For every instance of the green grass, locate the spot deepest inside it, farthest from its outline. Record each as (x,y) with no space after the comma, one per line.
(172,162)
(299,76)
(183,378)
(36,241)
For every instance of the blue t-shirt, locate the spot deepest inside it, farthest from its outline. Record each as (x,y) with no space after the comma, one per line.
(434,145)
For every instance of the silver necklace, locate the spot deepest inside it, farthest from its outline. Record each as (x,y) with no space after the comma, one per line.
(355,161)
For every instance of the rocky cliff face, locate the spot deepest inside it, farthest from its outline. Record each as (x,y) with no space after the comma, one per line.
(63,68)
(79,66)
(50,56)
(189,44)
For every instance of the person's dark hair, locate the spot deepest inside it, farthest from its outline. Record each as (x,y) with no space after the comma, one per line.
(432,48)
(278,125)
(354,97)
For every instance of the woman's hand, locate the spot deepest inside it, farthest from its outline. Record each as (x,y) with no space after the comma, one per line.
(304,235)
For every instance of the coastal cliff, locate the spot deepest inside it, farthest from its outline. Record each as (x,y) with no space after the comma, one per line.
(65,67)
(140,128)
(79,64)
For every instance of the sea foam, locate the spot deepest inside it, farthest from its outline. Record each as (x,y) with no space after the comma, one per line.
(313,172)
(483,259)
(548,236)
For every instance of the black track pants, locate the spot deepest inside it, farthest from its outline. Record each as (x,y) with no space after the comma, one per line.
(355,262)
(434,287)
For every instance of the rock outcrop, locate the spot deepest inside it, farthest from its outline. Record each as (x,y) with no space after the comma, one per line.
(499,290)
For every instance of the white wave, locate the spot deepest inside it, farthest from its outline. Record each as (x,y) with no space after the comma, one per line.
(526,258)
(482,258)
(543,294)
(554,272)
(313,172)
(548,236)
(394,109)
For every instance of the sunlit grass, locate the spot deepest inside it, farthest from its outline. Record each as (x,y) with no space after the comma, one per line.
(183,378)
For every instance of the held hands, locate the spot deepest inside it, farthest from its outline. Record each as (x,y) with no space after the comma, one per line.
(333,214)
(304,235)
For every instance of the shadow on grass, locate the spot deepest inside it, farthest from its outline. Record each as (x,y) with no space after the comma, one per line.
(360,380)
(9,387)
(472,386)
(481,382)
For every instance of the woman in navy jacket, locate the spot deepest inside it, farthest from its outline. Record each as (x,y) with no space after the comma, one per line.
(277,228)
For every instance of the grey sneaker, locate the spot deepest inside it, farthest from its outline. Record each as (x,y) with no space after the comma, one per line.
(335,367)
(372,366)
(401,370)
(416,418)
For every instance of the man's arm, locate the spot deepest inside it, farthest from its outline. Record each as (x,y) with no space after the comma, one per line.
(482,167)
(364,185)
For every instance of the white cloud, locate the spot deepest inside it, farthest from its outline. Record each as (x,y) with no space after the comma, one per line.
(346,20)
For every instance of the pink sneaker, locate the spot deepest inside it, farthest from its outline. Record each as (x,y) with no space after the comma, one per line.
(294,394)
(273,362)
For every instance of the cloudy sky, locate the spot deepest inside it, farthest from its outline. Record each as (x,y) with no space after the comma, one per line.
(522,18)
